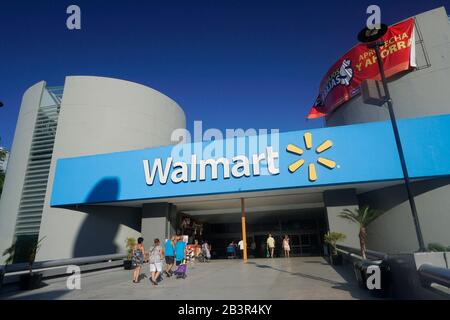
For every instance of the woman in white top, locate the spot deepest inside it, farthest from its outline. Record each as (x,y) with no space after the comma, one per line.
(286,246)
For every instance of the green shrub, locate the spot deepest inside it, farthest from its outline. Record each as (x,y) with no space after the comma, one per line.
(130,243)
(331,238)
(437,247)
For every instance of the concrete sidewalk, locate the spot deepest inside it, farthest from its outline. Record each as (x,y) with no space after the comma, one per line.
(281,278)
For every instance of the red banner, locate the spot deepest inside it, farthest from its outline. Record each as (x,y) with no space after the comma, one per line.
(343,80)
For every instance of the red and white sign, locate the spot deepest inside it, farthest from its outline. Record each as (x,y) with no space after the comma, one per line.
(343,80)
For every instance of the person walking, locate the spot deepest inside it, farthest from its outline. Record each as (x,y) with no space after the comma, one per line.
(180,248)
(231,250)
(169,255)
(206,250)
(235,246)
(264,250)
(137,259)
(241,249)
(155,261)
(271,244)
(197,250)
(253,249)
(286,246)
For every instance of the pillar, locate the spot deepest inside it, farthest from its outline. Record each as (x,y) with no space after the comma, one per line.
(244,229)
(157,222)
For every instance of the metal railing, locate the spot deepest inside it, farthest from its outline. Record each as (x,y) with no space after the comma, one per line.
(430,274)
(59,268)
(423,281)
(64,262)
(355,253)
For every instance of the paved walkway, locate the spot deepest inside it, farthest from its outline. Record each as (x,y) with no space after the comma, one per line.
(262,279)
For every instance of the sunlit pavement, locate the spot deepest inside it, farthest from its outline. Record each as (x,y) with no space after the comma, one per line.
(280,278)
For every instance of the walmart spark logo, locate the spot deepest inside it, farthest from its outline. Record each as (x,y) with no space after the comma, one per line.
(312,173)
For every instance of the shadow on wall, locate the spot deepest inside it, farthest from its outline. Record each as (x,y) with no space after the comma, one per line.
(387,198)
(97,233)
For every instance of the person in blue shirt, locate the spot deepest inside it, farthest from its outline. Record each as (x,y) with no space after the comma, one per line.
(231,250)
(169,255)
(180,250)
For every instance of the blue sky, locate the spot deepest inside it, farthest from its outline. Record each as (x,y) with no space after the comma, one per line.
(231,64)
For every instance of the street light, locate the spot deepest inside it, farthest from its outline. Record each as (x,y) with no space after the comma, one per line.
(372,38)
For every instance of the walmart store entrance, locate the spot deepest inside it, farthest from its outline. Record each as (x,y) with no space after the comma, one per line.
(304,228)
(219,223)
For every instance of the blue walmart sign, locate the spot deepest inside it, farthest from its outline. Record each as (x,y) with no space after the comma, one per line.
(320,157)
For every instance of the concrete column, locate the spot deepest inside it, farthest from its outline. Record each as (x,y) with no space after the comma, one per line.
(336,201)
(157,222)
(17,167)
(172,220)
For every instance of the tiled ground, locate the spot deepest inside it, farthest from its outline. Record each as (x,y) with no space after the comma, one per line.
(295,278)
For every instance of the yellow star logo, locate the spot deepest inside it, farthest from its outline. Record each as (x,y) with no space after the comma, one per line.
(312,173)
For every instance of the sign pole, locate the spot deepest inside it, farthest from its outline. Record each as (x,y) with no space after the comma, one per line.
(372,38)
(412,202)
(244,230)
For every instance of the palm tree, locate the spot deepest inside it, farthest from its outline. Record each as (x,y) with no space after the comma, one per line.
(10,252)
(32,251)
(363,217)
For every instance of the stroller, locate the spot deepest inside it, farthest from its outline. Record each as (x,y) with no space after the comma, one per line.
(201,257)
(181,270)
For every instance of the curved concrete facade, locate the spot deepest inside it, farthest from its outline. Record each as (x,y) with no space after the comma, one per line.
(97,115)
(101,115)
(423,92)
(122,114)
(20,152)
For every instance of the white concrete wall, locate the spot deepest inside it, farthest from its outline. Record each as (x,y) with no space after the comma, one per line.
(18,160)
(394,231)
(335,202)
(102,115)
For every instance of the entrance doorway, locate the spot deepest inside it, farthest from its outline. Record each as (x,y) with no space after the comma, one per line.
(305,229)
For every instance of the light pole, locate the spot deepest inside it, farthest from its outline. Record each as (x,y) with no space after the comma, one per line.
(371,37)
